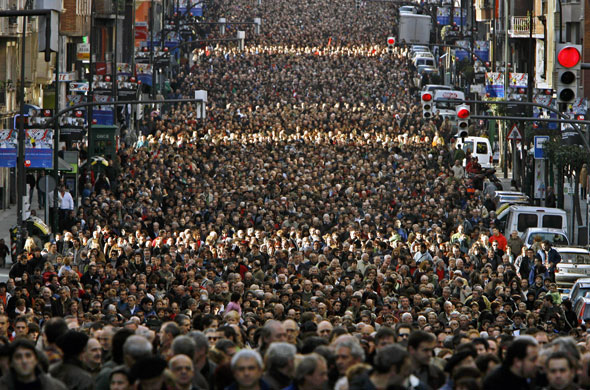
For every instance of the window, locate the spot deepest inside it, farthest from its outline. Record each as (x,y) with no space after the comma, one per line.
(468,145)
(482,148)
(574,258)
(553,221)
(526,221)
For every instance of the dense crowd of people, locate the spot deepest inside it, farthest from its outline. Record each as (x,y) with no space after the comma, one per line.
(314,232)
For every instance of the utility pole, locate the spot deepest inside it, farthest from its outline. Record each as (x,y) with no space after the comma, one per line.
(506,74)
(20,160)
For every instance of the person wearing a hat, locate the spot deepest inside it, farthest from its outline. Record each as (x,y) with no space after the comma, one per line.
(71,370)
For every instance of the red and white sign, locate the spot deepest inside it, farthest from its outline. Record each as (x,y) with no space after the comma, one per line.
(27,163)
(514,133)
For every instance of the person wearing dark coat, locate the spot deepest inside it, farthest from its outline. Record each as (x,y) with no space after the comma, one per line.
(25,371)
(71,370)
(518,369)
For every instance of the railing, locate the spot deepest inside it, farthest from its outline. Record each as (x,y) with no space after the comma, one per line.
(519,26)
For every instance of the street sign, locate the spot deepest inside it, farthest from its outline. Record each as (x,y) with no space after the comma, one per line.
(514,133)
(539,150)
(46,183)
(83,52)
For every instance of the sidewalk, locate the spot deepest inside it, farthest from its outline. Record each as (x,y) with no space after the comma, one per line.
(8,220)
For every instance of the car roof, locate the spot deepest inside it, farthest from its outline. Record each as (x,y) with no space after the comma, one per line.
(538,208)
(472,138)
(583,281)
(573,249)
(543,230)
(508,193)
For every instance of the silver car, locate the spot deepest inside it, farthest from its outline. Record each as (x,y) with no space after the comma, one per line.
(574,269)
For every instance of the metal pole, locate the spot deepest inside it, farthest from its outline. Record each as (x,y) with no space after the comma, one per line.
(506,74)
(90,96)
(114,61)
(21,172)
(46,195)
(54,226)
(152,47)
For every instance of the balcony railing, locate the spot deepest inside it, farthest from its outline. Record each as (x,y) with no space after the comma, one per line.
(519,27)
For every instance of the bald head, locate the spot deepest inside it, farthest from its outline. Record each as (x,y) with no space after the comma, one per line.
(182,370)
(324,329)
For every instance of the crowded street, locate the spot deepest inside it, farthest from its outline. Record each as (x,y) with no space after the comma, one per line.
(313,232)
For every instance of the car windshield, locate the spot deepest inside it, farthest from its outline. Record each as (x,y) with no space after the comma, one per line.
(575,258)
(553,238)
(581,291)
(586,315)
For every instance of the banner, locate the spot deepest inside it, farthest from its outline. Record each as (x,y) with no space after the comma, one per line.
(518,80)
(482,50)
(196,9)
(144,73)
(38,148)
(460,55)
(79,86)
(539,112)
(443,16)
(495,84)
(8,145)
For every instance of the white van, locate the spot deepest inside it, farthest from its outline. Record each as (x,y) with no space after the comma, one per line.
(480,147)
(520,218)
(424,60)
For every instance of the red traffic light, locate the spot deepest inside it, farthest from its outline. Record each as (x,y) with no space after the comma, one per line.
(568,57)
(391,41)
(426,97)
(463,113)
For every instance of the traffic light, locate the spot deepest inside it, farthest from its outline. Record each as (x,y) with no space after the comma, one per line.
(426,99)
(568,62)
(358,4)
(463,113)
(390,44)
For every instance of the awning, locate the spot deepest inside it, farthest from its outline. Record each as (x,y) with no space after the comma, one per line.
(62,165)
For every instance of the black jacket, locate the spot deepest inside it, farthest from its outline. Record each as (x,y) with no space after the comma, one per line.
(502,378)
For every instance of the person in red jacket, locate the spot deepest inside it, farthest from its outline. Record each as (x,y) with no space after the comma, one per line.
(499,238)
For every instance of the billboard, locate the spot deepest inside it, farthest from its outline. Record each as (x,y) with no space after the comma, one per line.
(38,148)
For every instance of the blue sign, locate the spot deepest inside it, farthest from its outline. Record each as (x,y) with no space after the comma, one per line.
(103,117)
(539,150)
(38,148)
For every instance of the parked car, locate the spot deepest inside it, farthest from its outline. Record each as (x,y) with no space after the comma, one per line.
(422,60)
(409,9)
(419,48)
(574,271)
(556,237)
(582,310)
(520,218)
(510,197)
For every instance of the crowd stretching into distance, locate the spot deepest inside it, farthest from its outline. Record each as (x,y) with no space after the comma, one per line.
(313,233)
